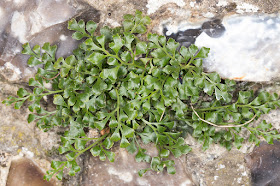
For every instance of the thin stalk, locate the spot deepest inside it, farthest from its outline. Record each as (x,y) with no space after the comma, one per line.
(89,147)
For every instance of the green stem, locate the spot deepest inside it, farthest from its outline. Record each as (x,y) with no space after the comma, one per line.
(150,125)
(118,105)
(164,49)
(89,147)
(188,64)
(147,97)
(120,60)
(52,92)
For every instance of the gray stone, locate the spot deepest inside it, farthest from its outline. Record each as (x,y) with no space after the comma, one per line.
(124,171)
(264,164)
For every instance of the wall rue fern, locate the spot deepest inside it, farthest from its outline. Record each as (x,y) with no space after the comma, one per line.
(137,91)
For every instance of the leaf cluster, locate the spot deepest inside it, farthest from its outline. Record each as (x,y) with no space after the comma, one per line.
(137,91)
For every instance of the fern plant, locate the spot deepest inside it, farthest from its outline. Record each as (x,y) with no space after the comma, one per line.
(137,91)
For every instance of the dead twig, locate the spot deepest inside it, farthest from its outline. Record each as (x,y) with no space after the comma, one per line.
(223,126)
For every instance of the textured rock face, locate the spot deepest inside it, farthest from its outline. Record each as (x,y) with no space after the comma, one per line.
(264,164)
(39,21)
(245,52)
(124,171)
(24,172)
(237,51)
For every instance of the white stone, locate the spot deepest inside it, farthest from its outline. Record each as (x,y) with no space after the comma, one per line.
(209,15)
(16,71)
(125,176)
(221,166)
(154,5)
(62,37)
(245,7)
(248,50)
(18,27)
(186,183)
(222,3)
(143,182)
(27,153)
(112,22)
(192,4)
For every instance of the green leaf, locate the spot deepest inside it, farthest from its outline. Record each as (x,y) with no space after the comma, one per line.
(142,172)
(116,136)
(98,87)
(238,141)
(117,44)
(207,142)
(33,61)
(27,50)
(33,83)
(171,46)
(59,176)
(58,100)
(56,164)
(164,153)
(193,49)
(171,170)
(112,61)
(96,58)
(31,117)
(110,155)
(228,136)
(203,52)
(124,143)
(70,156)
(91,27)
(140,29)
(22,92)
(128,25)
(236,116)
(127,131)
(141,48)
(268,139)
(101,124)
(185,53)
(264,126)
(79,27)
(101,40)
(158,53)
(18,104)
(141,156)
(50,50)
(111,74)
(89,45)
(131,148)
(213,117)
(126,57)
(108,143)
(95,151)
(246,113)
(243,97)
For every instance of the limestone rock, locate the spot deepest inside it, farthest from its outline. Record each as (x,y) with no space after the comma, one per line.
(124,171)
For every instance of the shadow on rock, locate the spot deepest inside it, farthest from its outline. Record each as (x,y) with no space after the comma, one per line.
(264,163)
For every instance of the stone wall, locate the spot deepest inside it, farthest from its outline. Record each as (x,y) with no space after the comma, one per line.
(26,152)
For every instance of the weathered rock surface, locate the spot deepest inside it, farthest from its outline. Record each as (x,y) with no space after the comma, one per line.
(39,21)
(264,164)
(124,171)
(25,172)
(237,51)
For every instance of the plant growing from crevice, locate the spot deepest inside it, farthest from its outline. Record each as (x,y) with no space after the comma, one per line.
(137,91)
